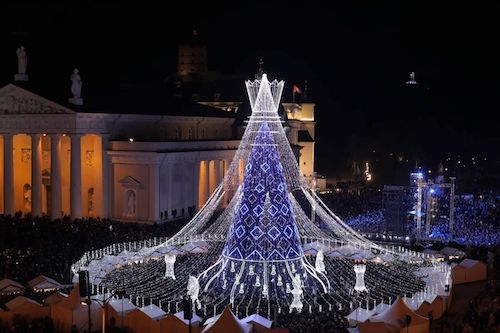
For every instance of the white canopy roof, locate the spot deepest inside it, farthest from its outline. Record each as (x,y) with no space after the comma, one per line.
(123,305)
(256,318)
(19,301)
(360,315)
(195,319)
(8,286)
(227,322)
(41,282)
(153,311)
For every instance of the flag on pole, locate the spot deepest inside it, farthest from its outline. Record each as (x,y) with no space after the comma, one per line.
(296,90)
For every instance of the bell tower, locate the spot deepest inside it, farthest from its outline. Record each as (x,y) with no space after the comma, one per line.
(192,57)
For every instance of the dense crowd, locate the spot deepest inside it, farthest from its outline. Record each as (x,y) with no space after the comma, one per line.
(477,218)
(477,221)
(482,313)
(372,221)
(22,325)
(30,247)
(305,322)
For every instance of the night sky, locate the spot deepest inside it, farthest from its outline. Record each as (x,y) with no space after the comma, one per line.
(356,56)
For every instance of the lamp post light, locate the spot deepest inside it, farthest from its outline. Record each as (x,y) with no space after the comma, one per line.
(102,302)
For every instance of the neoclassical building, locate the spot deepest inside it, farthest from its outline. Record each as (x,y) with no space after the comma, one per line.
(57,161)
(66,158)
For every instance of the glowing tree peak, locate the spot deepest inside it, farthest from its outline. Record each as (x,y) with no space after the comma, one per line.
(264,96)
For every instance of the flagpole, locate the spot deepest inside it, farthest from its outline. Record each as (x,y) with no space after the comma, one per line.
(293,99)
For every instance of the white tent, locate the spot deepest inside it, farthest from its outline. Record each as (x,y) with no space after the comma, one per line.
(432,304)
(137,321)
(227,322)
(468,270)
(381,307)
(55,298)
(386,257)
(258,319)
(316,245)
(18,302)
(43,283)
(359,315)
(121,306)
(170,250)
(451,252)
(395,318)
(414,302)
(26,307)
(153,311)
(334,254)
(346,250)
(195,247)
(71,311)
(9,287)
(433,253)
(194,321)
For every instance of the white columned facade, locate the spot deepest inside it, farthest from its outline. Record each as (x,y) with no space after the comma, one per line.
(36,175)
(76,177)
(55,177)
(8,174)
(106,178)
(154,192)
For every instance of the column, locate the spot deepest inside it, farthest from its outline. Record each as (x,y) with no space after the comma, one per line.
(196,184)
(216,173)
(186,188)
(8,174)
(207,181)
(170,191)
(106,179)
(36,175)
(55,176)
(154,192)
(226,189)
(76,177)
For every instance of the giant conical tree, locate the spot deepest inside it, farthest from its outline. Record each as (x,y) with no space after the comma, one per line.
(263,227)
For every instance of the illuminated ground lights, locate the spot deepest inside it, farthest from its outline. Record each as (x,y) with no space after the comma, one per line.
(262,253)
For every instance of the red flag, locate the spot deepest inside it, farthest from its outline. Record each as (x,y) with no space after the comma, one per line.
(296,90)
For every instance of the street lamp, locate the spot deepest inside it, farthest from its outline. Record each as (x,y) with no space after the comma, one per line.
(102,302)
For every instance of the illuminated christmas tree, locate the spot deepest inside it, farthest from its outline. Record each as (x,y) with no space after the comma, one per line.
(264,226)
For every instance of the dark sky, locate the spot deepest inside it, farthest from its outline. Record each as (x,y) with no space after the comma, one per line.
(356,55)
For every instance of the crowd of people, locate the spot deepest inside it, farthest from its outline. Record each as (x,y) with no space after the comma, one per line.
(306,322)
(476,223)
(23,325)
(30,247)
(482,314)
(371,222)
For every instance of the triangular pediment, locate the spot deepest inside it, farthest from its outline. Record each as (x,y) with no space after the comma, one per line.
(129,180)
(16,100)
